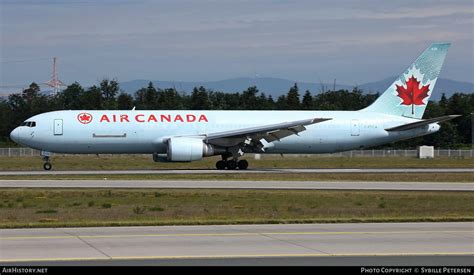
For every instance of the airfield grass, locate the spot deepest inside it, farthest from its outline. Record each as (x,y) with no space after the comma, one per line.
(22,207)
(134,162)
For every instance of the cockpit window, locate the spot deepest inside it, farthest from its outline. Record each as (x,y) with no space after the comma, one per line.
(29,124)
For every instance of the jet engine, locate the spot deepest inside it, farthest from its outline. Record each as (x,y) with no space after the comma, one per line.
(185,149)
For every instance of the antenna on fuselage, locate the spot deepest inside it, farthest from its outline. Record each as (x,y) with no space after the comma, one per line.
(133,109)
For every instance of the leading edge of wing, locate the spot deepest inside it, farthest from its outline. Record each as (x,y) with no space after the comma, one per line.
(265,128)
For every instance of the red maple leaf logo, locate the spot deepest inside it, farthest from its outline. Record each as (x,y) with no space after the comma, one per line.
(84,118)
(413,94)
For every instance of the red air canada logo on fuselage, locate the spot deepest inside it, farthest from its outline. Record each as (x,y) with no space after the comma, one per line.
(84,118)
(151,118)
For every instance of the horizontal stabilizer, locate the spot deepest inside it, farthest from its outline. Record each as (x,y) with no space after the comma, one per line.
(420,123)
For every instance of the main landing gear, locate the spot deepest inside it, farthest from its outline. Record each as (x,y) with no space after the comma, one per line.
(232,164)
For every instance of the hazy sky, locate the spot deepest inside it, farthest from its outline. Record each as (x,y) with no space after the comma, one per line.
(353,41)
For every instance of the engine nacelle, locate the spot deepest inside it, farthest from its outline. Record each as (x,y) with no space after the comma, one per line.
(187,149)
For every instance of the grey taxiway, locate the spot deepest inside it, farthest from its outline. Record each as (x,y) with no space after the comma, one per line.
(308,244)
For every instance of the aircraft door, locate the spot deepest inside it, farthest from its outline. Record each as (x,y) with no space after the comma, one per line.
(355,129)
(58,127)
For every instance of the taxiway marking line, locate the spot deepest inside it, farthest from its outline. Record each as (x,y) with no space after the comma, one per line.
(231,234)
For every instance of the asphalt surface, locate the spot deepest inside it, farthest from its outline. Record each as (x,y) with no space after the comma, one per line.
(223,184)
(410,260)
(249,171)
(346,244)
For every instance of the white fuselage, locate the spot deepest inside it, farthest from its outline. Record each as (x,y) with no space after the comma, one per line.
(136,131)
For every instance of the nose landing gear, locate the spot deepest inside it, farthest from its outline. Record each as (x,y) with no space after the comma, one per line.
(47,165)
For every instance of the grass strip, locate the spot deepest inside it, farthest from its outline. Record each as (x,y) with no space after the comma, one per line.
(23,207)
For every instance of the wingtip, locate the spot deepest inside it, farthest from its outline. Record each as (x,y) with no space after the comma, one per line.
(440,44)
(321,119)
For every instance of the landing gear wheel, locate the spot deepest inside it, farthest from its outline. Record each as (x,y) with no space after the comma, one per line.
(231,164)
(221,164)
(47,166)
(243,164)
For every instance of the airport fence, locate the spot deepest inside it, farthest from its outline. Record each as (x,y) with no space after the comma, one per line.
(455,153)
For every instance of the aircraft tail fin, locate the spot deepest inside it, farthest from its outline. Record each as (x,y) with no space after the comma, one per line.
(409,94)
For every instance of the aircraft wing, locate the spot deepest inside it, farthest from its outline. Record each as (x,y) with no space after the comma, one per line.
(269,132)
(420,123)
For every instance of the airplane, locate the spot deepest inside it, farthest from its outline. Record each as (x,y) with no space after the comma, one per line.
(184,136)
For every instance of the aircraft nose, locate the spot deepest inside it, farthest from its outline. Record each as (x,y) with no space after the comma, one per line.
(15,135)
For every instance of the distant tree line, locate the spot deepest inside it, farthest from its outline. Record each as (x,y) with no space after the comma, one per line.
(107,95)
